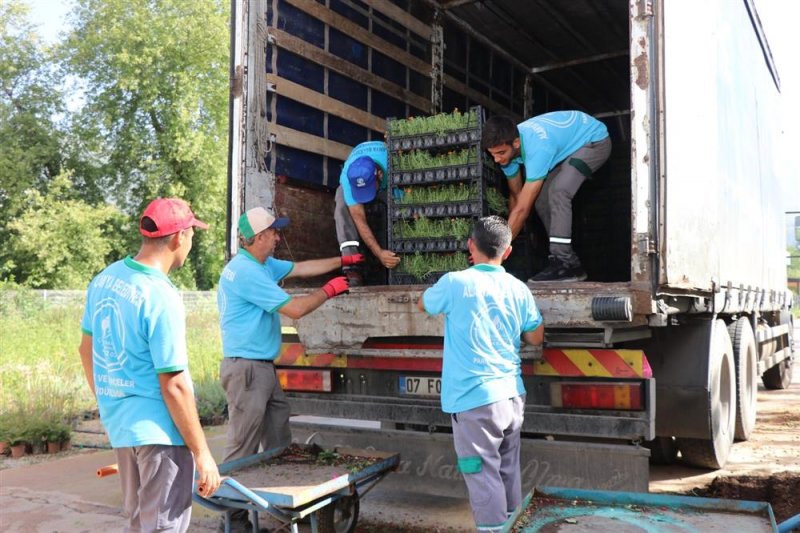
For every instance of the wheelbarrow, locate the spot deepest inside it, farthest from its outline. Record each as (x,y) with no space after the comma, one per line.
(291,490)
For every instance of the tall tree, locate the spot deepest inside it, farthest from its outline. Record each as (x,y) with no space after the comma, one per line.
(30,153)
(66,254)
(154,118)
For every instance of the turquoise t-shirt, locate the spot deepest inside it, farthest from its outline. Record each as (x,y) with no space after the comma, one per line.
(138,326)
(486,311)
(248,299)
(376,150)
(546,140)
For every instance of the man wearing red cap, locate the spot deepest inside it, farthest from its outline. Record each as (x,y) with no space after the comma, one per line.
(250,301)
(133,352)
(359,184)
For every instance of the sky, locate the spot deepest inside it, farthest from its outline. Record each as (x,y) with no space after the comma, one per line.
(778,17)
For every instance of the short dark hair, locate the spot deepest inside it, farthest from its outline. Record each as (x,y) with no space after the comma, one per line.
(491,235)
(148,224)
(498,130)
(246,241)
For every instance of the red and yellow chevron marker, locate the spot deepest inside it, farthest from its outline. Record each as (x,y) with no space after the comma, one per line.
(294,354)
(593,363)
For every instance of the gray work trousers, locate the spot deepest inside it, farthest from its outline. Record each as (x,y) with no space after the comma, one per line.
(554,204)
(345,227)
(258,412)
(156,487)
(487,443)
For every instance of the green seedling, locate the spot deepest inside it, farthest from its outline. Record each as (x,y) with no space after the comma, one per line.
(423,159)
(438,194)
(438,124)
(424,227)
(420,265)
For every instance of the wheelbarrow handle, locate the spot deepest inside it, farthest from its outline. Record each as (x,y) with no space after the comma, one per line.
(244,491)
(108,470)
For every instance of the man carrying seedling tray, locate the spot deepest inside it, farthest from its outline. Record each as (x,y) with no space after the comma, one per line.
(558,151)
(361,179)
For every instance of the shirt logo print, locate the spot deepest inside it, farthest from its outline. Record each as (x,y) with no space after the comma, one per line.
(109,352)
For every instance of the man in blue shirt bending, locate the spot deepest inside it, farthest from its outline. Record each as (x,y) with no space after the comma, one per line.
(486,311)
(362,181)
(558,152)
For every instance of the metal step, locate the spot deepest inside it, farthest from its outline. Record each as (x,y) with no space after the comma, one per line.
(428,461)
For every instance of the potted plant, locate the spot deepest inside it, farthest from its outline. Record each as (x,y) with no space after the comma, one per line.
(19,444)
(57,435)
(37,436)
(4,444)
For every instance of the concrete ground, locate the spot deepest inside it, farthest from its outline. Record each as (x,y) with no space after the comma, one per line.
(62,493)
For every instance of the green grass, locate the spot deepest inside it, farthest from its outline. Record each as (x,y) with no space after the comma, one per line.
(41,376)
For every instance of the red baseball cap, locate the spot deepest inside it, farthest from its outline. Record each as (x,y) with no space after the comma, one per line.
(170,215)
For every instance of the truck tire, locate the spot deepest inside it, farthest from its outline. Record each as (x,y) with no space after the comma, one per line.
(713,452)
(663,450)
(780,376)
(746,360)
(340,516)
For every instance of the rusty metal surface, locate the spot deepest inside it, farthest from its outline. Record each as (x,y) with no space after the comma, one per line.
(342,324)
(575,510)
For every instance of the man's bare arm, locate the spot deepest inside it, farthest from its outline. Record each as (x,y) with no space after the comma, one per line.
(85,349)
(300,306)
(315,267)
(387,258)
(523,206)
(535,337)
(179,397)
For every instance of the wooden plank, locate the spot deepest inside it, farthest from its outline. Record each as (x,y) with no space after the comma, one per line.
(403,17)
(293,44)
(478,97)
(355,31)
(312,98)
(309,143)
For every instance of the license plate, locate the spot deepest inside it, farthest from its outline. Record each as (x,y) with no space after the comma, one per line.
(420,386)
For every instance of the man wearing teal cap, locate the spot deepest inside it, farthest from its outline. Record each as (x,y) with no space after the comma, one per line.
(249,301)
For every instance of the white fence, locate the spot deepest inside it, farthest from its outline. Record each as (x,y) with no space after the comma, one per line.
(191,299)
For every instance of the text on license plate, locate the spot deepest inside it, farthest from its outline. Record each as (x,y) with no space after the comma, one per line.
(420,386)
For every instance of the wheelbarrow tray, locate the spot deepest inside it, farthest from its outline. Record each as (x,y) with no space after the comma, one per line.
(576,510)
(294,485)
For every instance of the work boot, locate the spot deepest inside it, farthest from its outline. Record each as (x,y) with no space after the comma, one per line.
(557,270)
(353,275)
(352,272)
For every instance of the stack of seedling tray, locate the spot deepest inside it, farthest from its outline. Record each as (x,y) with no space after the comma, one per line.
(443,182)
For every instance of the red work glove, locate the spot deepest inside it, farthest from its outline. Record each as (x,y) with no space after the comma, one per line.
(336,286)
(354,259)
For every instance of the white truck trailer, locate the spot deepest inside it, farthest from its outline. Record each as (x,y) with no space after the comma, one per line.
(681,232)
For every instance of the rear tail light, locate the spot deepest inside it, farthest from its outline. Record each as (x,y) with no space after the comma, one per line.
(617,396)
(305,380)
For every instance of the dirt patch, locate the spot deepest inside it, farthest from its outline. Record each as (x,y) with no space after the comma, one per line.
(781,491)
